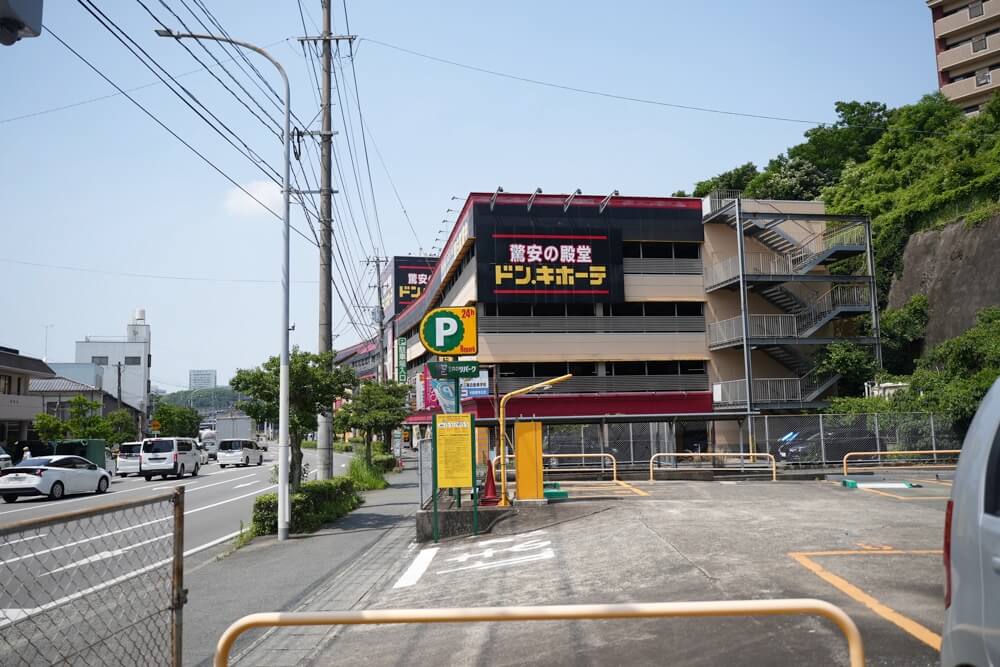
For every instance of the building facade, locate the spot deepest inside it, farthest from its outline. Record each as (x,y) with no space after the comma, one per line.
(967,49)
(202,379)
(57,392)
(18,408)
(639,298)
(128,357)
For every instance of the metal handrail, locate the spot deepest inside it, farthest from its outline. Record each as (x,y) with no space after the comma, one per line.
(604,455)
(748,455)
(578,612)
(928,452)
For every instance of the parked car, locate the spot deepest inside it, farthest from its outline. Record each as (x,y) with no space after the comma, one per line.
(128,458)
(202,453)
(212,447)
(972,545)
(52,476)
(4,459)
(239,452)
(168,456)
(110,462)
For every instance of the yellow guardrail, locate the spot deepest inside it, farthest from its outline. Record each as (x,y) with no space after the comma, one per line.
(614,462)
(789,607)
(739,455)
(890,454)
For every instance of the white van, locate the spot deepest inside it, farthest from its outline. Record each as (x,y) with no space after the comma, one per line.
(128,458)
(168,456)
(239,452)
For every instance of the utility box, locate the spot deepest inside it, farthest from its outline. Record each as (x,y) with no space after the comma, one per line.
(528,460)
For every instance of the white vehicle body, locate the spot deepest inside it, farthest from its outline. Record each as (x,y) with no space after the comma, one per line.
(53,476)
(239,452)
(235,427)
(4,459)
(972,545)
(128,458)
(168,456)
(210,440)
(202,453)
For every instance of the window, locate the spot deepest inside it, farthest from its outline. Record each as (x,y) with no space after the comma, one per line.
(133,361)
(18,385)
(100,361)
(661,309)
(687,250)
(975,9)
(627,367)
(549,310)
(662,367)
(631,249)
(692,367)
(183,446)
(516,370)
(991,500)
(982,77)
(149,361)
(5,384)
(690,309)
(158,446)
(580,309)
(514,310)
(626,310)
(979,43)
(582,369)
(658,250)
(550,370)
(489,310)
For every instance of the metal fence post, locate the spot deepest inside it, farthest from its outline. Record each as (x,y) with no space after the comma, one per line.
(822,440)
(878,444)
(767,435)
(742,453)
(178,596)
(933,438)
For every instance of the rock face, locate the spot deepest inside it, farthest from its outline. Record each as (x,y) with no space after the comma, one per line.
(958,268)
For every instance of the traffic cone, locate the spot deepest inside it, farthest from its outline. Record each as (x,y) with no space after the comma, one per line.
(490,496)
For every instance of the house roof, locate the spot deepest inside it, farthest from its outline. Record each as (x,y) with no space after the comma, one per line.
(58,384)
(11,359)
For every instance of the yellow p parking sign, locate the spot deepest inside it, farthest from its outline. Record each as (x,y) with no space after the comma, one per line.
(450,332)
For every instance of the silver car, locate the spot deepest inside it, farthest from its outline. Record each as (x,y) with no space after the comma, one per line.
(972,545)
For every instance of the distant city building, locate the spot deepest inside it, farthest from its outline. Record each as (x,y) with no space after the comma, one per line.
(967,48)
(201,379)
(128,356)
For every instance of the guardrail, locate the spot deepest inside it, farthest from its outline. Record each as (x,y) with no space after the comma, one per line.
(740,455)
(582,455)
(934,453)
(575,612)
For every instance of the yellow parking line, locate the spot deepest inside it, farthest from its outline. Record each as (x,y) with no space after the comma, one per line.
(898,497)
(635,490)
(905,623)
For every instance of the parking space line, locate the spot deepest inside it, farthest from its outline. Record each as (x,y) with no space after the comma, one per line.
(626,485)
(905,623)
(899,497)
(417,568)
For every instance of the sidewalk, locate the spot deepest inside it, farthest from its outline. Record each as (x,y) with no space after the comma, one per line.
(333,568)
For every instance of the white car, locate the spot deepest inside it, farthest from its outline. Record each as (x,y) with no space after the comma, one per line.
(202,453)
(52,476)
(4,459)
(972,545)
(239,452)
(128,458)
(168,456)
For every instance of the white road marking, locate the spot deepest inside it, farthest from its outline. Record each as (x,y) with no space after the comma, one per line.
(25,539)
(240,486)
(417,568)
(104,555)
(542,555)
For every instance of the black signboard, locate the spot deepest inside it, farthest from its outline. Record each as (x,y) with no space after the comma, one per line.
(542,264)
(410,279)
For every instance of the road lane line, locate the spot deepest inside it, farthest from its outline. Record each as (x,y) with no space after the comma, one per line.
(192,489)
(25,539)
(240,486)
(417,568)
(104,555)
(905,623)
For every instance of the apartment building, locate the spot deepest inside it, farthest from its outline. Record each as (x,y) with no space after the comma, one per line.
(18,408)
(639,298)
(967,46)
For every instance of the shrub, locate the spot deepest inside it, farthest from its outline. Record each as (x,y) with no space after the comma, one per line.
(341,446)
(384,462)
(316,503)
(308,444)
(366,477)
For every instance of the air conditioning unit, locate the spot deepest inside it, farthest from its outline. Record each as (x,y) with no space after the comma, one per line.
(19,18)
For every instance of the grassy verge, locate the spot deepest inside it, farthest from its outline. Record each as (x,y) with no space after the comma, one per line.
(368,478)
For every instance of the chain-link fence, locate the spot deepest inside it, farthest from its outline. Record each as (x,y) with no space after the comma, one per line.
(96,587)
(822,438)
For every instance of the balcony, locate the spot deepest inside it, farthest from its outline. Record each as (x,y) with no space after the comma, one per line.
(544,325)
(19,408)
(964,56)
(966,89)
(602,384)
(960,21)
(772,391)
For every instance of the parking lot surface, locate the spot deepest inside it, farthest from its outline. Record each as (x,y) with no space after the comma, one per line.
(874,552)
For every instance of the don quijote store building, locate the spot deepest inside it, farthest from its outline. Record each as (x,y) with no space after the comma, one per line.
(638,298)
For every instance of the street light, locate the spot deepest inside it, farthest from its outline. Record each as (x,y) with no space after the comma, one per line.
(504,501)
(283,498)
(45,356)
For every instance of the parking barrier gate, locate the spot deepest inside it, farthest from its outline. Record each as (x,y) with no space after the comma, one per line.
(926,452)
(749,455)
(582,455)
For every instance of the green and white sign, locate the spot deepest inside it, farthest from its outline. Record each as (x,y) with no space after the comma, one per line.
(450,332)
(401,359)
(452,370)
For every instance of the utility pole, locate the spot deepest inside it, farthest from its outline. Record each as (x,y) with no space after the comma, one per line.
(119,365)
(377,261)
(324,431)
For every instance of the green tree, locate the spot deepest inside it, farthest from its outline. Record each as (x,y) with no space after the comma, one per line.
(121,427)
(213,398)
(852,362)
(85,420)
(903,331)
(734,179)
(831,147)
(787,178)
(314,384)
(50,427)
(374,408)
(177,421)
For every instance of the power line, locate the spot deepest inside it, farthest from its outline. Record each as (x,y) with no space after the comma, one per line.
(406,215)
(176,136)
(152,276)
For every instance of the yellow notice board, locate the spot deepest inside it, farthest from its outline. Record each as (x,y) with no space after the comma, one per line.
(453,439)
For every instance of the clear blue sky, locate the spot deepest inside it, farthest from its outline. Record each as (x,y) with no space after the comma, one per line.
(100,186)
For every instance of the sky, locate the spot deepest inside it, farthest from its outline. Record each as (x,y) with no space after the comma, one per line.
(104,212)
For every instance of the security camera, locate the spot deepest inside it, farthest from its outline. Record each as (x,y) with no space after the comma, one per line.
(19,18)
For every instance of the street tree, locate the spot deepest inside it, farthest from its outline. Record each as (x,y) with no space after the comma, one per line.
(121,427)
(49,427)
(177,421)
(374,408)
(314,384)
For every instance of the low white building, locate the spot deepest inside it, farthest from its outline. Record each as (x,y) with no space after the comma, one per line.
(17,409)
(126,356)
